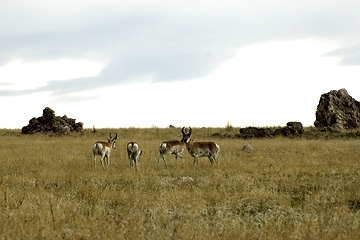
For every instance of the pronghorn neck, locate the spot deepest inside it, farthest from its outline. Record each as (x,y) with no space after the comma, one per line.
(189,142)
(111,141)
(110,144)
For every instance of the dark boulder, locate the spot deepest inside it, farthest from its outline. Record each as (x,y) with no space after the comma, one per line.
(293,129)
(49,123)
(337,110)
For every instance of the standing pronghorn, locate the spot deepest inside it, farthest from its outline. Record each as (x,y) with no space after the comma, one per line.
(104,149)
(200,149)
(134,153)
(171,147)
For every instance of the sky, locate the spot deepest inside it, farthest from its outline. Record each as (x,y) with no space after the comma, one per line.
(112,64)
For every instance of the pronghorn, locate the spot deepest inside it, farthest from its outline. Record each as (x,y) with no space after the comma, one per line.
(200,149)
(134,153)
(171,147)
(104,149)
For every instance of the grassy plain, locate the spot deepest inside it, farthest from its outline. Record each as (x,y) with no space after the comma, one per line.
(284,189)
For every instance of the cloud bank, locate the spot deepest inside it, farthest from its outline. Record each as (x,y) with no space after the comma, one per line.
(163,41)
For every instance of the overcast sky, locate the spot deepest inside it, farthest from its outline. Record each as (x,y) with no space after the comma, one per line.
(187,63)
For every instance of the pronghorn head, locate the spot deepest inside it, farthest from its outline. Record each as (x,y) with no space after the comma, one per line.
(186,136)
(112,140)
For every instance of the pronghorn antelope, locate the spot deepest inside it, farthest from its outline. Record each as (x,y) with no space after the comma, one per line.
(200,149)
(171,147)
(134,154)
(104,149)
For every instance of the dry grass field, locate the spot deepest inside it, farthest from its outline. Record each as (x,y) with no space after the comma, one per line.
(283,189)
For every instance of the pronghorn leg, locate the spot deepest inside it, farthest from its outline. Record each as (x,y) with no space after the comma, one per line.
(107,160)
(94,160)
(196,160)
(163,157)
(105,163)
(102,161)
(131,163)
(181,158)
(136,164)
(216,160)
(160,156)
(177,155)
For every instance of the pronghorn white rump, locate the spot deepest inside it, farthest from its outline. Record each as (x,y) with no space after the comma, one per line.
(134,153)
(104,149)
(171,147)
(200,149)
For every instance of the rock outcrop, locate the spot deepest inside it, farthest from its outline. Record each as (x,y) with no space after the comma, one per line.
(337,110)
(292,129)
(254,132)
(49,123)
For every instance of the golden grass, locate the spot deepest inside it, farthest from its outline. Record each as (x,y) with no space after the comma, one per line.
(284,189)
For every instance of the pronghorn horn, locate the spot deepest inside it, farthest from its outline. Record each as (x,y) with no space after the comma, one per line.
(189,131)
(115,136)
(182,131)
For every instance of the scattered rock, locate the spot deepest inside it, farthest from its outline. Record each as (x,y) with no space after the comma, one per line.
(180,181)
(247,148)
(337,110)
(216,135)
(49,123)
(293,129)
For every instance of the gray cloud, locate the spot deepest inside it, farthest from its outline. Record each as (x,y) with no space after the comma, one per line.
(170,41)
(6,84)
(349,56)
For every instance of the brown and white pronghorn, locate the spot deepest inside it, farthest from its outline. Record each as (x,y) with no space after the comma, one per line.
(134,153)
(171,147)
(104,149)
(200,149)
